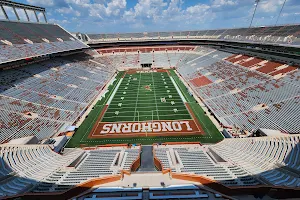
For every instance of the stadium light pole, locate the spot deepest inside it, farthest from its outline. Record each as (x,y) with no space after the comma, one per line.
(256,4)
(280,12)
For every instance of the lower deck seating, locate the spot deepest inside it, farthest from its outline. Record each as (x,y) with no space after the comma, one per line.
(94,163)
(243,161)
(24,167)
(194,159)
(275,160)
(135,59)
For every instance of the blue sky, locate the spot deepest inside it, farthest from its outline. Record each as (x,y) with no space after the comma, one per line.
(117,16)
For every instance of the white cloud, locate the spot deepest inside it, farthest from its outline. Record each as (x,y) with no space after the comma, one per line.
(64,21)
(41,2)
(113,7)
(198,9)
(221,3)
(270,5)
(149,9)
(68,10)
(165,12)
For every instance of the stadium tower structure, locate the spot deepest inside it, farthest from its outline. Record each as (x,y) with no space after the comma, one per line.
(187,115)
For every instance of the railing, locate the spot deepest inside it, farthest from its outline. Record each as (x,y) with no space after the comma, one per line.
(137,163)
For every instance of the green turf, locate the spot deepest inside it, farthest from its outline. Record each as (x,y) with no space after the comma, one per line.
(139,99)
(133,102)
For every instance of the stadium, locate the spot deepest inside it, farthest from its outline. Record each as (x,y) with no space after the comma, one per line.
(207,114)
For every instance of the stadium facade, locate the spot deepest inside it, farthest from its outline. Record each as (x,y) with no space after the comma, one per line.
(210,114)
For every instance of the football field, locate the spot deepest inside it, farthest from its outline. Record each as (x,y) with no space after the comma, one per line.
(144,97)
(146,107)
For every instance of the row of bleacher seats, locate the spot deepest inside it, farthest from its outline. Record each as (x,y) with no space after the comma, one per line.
(275,160)
(285,34)
(246,92)
(247,161)
(38,168)
(159,56)
(43,98)
(194,159)
(146,49)
(134,60)
(24,166)
(22,40)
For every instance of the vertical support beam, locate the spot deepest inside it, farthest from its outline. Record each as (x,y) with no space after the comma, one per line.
(4,12)
(26,15)
(14,8)
(256,4)
(45,17)
(280,12)
(37,19)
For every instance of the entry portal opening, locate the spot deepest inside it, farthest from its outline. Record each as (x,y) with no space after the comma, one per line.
(146,65)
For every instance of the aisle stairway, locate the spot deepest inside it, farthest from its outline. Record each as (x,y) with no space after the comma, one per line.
(147,164)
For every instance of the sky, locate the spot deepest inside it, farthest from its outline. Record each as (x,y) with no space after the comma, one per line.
(119,16)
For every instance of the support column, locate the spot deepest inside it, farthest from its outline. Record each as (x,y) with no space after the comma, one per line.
(26,15)
(37,19)
(45,17)
(4,12)
(14,8)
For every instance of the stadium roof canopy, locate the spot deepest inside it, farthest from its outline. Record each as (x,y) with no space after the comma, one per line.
(25,7)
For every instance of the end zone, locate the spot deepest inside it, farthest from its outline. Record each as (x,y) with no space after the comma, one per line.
(146,128)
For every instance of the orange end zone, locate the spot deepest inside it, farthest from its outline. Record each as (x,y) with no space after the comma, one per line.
(134,71)
(146,128)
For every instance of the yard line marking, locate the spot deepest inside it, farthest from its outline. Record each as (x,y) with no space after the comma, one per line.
(120,112)
(114,92)
(93,122)
(155,97)
(162,106)
(137,96)
(202,123)
(182,118)
(178,90)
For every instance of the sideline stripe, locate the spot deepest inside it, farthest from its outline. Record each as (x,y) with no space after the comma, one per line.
(178,90)
(114,92)
(98,120)
(194,118)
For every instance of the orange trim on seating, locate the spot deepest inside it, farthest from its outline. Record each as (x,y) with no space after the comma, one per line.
(113,145)
(179,143)
(71,193)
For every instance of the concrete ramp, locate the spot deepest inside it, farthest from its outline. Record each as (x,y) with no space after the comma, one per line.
(147,164)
